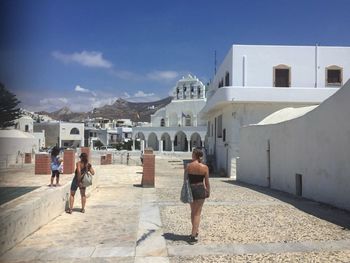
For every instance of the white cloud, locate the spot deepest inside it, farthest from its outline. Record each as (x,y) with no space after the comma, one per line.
(126,75)
(140,93)
(162,75)
(83,90)
(84,58)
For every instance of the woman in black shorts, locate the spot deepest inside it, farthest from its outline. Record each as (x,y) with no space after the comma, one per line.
(198,175)
(81,167)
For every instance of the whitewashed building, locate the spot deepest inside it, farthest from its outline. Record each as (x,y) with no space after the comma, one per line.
(302,151)
(177,126)
(62,134)
(254,81)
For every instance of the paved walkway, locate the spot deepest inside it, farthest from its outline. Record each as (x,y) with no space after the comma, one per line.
(240,223)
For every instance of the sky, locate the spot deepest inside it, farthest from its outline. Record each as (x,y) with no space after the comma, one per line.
(87,53)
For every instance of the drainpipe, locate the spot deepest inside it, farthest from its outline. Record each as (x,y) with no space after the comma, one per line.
(268,164)
(244,71)
(316,64)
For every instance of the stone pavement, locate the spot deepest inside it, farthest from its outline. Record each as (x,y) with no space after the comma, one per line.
(240,223)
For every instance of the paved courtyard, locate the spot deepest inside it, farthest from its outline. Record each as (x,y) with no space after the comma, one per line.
(240,223)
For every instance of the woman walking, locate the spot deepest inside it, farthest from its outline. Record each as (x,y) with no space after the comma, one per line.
(81,168)
(198,176)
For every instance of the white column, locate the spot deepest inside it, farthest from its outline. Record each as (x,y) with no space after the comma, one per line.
(160,146)
(142,145)
(172,146)
(133,144)
(189,145)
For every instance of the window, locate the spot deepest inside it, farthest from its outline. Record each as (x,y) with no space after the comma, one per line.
(188,120)
(162,123)
(177,93)
(334,76)
(198,92)
(74,131)
(91,134)
(224,135)
(184,90)
(281,76)
(26,128)
(192,92)
(227,79)
(219,131)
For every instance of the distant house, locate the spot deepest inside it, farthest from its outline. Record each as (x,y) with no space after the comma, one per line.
(62,134)
(177,126)
(254,81)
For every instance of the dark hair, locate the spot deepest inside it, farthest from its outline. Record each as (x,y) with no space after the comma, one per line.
(198,154)
(55,151)
(84,158)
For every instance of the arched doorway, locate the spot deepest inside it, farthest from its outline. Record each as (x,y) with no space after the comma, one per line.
(196,140)
(138,138)
(166,142)
(180,142)
(153,141)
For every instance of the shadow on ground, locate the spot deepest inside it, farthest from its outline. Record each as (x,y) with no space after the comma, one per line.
(323,211)
(175,237)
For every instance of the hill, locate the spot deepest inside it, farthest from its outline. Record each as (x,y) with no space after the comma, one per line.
(120,109)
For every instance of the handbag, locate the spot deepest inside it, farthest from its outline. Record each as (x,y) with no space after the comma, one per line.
(87,179)
(186,192)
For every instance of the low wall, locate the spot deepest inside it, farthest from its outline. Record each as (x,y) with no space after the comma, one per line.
(24,215)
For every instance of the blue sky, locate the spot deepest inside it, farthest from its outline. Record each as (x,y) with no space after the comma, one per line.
(84,54)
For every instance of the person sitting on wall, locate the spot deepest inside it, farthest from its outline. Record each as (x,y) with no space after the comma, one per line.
(56,163)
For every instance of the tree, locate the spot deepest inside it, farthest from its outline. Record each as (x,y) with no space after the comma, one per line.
(8,108)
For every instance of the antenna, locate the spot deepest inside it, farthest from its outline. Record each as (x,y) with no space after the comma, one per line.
(214,62)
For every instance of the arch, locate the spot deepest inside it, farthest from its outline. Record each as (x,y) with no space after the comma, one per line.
(192,94)
(162,122)
(166,140)
(196,140)
(139,136)
(227,79)
(177,93)
(153,141)
(74,131)
(180,142)
(173,119)
(199,92)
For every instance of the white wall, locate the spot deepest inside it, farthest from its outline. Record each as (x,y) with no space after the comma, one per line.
(235,116)
(316,145)
(66,127)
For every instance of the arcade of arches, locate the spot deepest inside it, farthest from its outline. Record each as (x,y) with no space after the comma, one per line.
(179,143)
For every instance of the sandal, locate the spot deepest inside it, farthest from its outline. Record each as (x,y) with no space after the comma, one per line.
(69,211)
(82,210)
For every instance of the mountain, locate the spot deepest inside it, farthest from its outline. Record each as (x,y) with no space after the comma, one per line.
(120,109)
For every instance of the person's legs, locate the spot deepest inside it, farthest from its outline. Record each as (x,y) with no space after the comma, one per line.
(71,201)
(57,178)
(198,204)
(83,199)
(192,212)
(52,177)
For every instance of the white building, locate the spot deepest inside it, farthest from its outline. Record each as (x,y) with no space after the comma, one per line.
(177,126)
(62,134)
(302,151)
(255,81)
(106,131)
